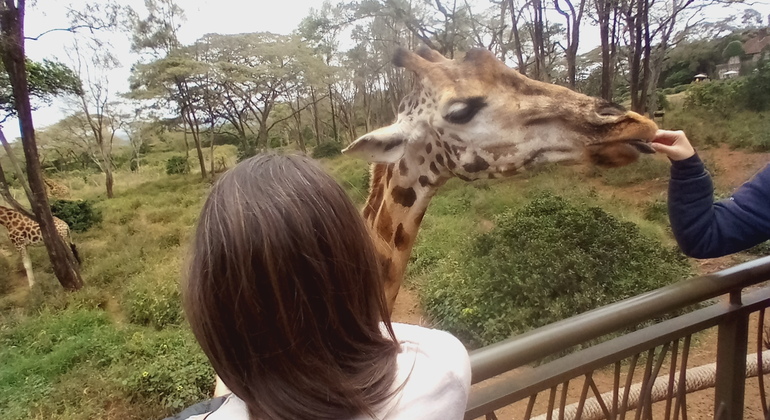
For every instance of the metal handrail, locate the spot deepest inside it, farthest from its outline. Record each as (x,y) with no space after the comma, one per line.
(534,345)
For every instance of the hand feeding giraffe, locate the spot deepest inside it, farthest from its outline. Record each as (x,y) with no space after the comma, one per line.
(24,231)
(477,118)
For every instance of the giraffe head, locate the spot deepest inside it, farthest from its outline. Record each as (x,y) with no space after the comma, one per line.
(477,118)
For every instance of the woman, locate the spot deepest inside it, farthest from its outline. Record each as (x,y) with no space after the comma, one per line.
(704,228)
(285,297)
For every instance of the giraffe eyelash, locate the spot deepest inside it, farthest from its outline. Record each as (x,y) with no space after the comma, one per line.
(463,110)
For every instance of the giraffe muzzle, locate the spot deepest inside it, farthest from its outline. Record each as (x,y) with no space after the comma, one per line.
(642,146)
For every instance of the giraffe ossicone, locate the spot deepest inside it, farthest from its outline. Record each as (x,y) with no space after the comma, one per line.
(476,118)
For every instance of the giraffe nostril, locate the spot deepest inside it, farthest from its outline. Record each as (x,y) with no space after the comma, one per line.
(608,109)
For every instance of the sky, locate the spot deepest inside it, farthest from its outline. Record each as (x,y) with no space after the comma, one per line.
(202,17)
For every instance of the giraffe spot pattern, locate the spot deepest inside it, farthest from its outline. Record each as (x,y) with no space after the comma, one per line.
(401,238)
(404,196)
(424,181)
(478,164)
(433,168)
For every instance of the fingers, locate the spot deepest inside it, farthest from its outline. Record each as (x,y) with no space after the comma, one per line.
(673,144)
(669,137)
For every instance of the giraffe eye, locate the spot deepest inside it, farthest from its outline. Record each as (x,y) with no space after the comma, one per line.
(462,111)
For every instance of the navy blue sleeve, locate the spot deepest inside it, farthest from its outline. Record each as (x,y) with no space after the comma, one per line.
(704,229)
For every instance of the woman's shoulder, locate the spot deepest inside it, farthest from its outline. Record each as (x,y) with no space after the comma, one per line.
(434,372)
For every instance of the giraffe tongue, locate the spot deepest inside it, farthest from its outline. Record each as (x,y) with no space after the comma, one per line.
(642,146)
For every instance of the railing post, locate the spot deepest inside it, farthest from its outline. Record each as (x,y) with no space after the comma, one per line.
(732,344)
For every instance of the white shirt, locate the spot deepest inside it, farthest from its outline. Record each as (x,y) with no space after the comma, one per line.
(434,367)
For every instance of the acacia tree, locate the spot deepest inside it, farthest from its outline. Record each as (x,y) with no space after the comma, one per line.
(96,105)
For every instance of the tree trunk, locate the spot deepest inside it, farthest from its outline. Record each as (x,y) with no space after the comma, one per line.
(12,52)
(192,121)
(316,123)
(517,40)
(334,118)
(211,147)
(603,15)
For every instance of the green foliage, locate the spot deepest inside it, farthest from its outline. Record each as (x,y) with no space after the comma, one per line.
(80,215)
(546,262)
(177,165)
(656,211)
(154,304)
(721,97)
(757,88)
(77,364)
(328,149)
(39,352)
(174,372)
(47,79)
(733,49)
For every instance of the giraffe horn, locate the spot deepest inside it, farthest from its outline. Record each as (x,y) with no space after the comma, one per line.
(430,54)
(409,60)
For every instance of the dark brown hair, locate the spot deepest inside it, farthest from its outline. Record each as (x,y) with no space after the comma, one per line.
(284,293)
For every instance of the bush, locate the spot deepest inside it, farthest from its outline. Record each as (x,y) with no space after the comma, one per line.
(177,165)
(80,215)
(328,149)
(549,261)
(721,97)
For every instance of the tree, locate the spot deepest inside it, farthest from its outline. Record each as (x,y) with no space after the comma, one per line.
(574,18)
(14,60)
(733,49)
(96,105)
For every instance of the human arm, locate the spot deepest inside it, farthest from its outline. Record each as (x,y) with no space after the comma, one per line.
(703,228)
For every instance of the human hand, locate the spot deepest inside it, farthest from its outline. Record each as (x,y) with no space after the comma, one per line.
(673,143)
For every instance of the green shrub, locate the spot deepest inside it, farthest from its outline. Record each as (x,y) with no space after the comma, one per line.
(80,215)
(721,97)
(328,149)
(541,264)
(177,165)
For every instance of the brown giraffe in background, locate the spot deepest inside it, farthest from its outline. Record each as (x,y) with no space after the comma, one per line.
(477,118)
(24,231)
(56,189)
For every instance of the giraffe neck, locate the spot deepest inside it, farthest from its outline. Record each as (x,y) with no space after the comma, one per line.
(399,196)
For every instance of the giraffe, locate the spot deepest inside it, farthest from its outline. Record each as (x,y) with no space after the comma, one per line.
(24,231)
(477,118)
(56,189)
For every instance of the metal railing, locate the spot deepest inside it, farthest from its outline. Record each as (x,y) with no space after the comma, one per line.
(663,348)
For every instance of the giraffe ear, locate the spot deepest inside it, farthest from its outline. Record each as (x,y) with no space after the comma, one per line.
(385,145)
